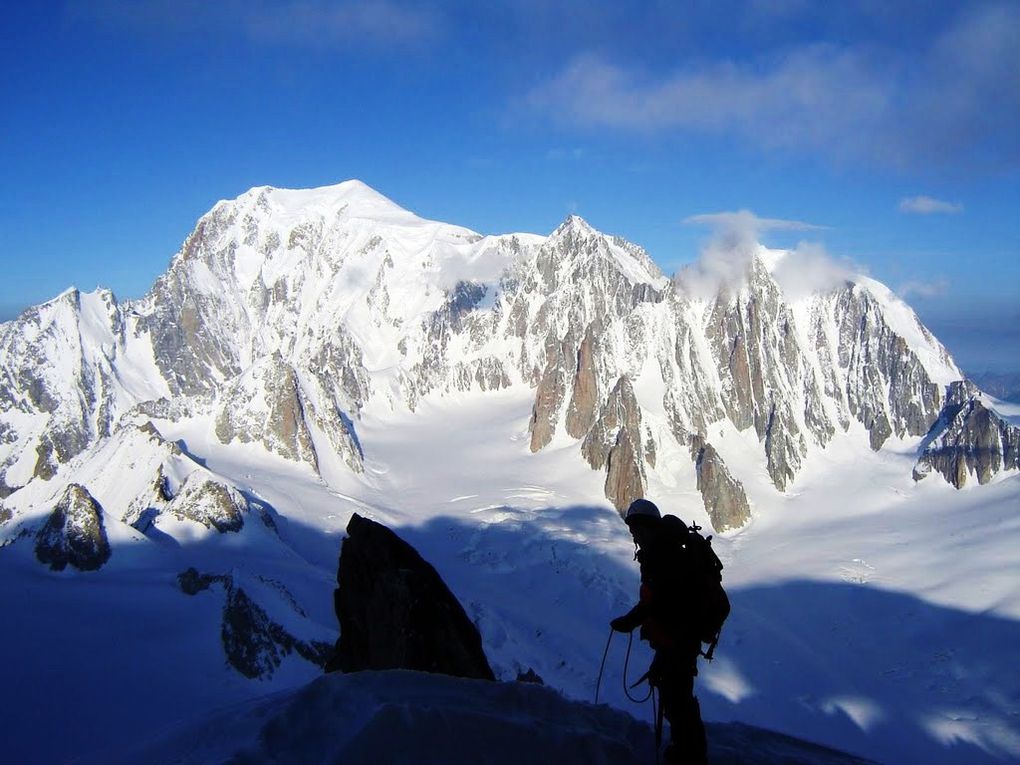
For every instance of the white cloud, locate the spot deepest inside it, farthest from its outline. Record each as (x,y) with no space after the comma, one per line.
(922,205)
(810,268)
(726,257)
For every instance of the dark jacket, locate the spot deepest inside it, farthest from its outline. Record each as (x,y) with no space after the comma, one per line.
(660,611)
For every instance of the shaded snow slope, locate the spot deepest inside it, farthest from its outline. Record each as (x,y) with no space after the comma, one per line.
(401,717)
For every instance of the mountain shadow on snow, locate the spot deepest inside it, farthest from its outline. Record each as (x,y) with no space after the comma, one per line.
(399,717)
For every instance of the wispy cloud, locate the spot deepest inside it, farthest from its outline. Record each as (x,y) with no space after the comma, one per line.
(956,99)
(779,104)
(923,288)
(922,205)
(747,222)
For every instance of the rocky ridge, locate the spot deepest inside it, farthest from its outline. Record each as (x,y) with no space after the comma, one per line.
(968,439)
(74,534)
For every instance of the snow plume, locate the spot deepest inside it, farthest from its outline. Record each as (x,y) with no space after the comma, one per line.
(736,240)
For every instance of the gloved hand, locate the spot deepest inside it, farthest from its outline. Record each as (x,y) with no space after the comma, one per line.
(622,624)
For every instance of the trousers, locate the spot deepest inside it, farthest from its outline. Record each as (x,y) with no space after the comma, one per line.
(673,672)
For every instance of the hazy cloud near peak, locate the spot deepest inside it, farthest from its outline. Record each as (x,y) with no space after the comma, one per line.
(725,259)
(923,205)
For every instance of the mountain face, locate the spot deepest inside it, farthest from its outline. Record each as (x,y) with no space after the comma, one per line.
(286,312)
(968,439)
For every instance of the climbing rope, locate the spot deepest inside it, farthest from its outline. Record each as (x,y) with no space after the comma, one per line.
(605,653)
(626,687)
(656,704)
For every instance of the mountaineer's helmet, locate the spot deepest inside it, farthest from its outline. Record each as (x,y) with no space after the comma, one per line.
(642,511)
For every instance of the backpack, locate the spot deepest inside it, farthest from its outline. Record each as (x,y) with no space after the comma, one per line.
(701,599)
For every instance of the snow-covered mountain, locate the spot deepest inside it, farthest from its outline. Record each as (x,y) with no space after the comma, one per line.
(285,312)
(313,352)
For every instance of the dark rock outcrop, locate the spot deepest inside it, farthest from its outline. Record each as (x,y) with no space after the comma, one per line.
(396,612)
(213,504)
(74,533)
(968,438)
(724,497)
(625,480)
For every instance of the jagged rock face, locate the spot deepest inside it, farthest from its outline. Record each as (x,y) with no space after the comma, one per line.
(56,367)
(210,503)
(969,439)
(584,398)
(552,389)
(724,497)
(74,534)
(784,447)
(625,479)
(253,643)
(888,389)
(267,406)
(395,611)
(620,413)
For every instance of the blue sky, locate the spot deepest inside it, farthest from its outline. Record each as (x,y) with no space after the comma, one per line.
(897,129)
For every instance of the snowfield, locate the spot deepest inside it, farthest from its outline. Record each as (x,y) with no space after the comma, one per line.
(870,614)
